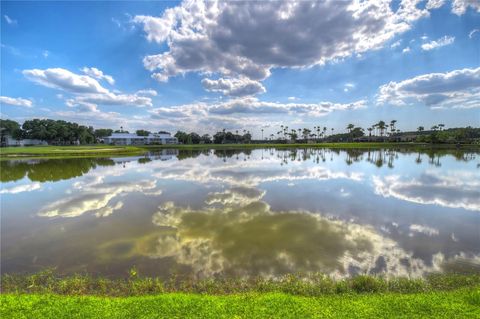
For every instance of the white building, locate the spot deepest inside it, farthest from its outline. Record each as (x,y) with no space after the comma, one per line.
(134,139)
(8,140)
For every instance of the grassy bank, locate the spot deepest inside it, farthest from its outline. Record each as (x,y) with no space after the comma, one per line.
(46,295)
(69,151)
(464,303)
(47,282)
(108,150)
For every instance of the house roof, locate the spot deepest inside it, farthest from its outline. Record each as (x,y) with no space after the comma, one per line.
(135,136)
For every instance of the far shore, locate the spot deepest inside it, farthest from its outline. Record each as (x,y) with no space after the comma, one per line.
(118,150)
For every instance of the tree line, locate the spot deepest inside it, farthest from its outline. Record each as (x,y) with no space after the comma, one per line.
(59,132)
(67,133)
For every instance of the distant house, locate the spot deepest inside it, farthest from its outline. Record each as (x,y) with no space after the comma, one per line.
(134,139)
(8,140)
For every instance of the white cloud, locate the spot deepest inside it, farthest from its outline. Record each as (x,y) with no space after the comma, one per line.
(21,188)
(248,39)
(15,101)
(150,92)
(10,20)
(45,53)
(348,87)
(247,111)
(456,89)
(94,195)
(446,40)
(434,4)
(459,7)
(396,44)
(62,79)
(86,89)
(234,87)
(455,190)
(472,33)
(406,50)
(423,229)
(97,74)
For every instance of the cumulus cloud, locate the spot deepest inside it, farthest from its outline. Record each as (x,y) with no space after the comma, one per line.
(94,195)
(97,74)
(88,92)
(434,4)
(240,175)
(459,7)
(227,239)
(406,50)
(20,188)
(456,89)
(65,80)
(246,112)
(248,39)
(253,106)
(459,190)
(234,87)
(15,101)
(446,40)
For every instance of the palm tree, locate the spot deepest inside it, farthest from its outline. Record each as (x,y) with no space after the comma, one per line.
(306,133)
(381,126)
(441,126)
(420,129)
(350,127)
(262,133)
(370,131)
(434,128)
(392,125)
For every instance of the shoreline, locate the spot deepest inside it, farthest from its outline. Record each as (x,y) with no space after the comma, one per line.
(316,284)
(109,150)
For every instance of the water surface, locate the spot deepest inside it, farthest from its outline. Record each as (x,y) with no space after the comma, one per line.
(252,213)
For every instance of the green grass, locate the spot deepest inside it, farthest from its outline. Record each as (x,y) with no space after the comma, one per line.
(47,295)
(106,150)
(64,151)
(464,303)
(47,282)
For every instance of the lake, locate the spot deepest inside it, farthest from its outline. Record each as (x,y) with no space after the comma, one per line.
(227,213)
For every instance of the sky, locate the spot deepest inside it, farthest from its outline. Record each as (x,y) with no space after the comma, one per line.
(204,66)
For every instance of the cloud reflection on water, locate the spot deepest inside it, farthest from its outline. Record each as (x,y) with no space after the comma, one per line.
(458,189)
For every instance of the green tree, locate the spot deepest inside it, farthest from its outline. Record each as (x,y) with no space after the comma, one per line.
(381,126)
(142,133)
(9,127)
(102,132)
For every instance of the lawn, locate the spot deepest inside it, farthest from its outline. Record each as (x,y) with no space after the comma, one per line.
(66,151)
(463,303)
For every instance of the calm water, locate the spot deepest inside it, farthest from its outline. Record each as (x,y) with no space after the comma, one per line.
(261,212)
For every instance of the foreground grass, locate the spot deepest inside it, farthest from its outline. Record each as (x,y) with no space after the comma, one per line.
(106,150)
(464,303)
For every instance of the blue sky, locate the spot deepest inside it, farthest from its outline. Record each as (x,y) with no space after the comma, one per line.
(202,67)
